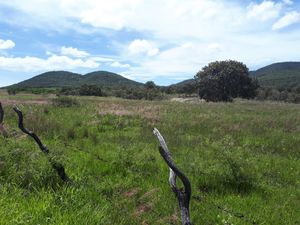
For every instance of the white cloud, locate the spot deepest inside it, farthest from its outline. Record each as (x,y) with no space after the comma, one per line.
(264,11)
(107,14)
(73,52)
(287,20)
(173,37)
(101,59)
(138,46)
(186,59)
(53,62)
(288,2)
(119,65)
(6,44)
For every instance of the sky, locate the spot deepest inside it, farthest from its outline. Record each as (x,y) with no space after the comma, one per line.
(165,41)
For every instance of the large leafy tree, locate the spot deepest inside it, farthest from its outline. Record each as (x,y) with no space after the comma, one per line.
(225,80)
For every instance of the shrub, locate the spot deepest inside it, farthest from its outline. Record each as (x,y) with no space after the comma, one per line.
(90,90)
(65,101)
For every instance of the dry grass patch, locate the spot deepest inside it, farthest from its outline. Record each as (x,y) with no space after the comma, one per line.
(151,112)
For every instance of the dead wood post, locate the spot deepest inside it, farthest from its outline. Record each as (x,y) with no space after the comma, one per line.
(57,166)
(3,131)
(184,195)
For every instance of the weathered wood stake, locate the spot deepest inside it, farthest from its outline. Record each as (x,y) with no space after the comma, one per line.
(3,131)
(183,196)
(57,166)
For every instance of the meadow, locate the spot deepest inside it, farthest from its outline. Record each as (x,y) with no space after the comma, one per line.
(242,158)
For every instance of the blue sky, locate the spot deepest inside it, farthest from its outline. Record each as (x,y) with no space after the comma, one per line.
(164,41)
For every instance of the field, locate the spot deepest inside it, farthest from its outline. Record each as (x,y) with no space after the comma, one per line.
(242,158)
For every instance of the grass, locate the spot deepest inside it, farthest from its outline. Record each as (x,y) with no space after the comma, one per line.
(241,157)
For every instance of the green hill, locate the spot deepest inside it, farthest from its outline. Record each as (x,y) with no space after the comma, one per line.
(67,79)
(185,82)
(104,78)
(284,74)
(52,79)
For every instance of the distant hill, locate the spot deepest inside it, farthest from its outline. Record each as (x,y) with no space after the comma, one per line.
(104,78)
(284,74)
(185,82)
(68,79)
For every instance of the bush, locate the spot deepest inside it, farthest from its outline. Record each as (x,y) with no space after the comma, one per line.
(65,101)
(278,94)
(145,92)
(90,90)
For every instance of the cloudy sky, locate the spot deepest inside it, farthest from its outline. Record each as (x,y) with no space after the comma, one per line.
(161,40)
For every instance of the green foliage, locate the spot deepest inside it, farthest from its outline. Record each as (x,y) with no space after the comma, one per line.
(148,92)
(278,94)
(90,90)
(64,101)
(279,75)
(84,90)
(225,80)
(187,87)
(12,91)
(241,158)
(150,85)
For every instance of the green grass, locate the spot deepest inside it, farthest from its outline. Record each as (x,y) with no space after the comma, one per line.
(240,157)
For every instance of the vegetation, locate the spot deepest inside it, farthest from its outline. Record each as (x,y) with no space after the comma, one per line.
(147,92)
(278,82)
(278,94)
(242,160)
(59,79)
(279,75)
(187,87)
(64,101)
(225,80)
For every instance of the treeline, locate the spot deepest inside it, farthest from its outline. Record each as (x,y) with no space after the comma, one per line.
(218,81)
(286,94)
(148,91)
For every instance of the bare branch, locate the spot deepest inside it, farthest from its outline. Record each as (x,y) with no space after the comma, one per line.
(183,196)
(1,113)
(30,133)
(2,128)
(58,167)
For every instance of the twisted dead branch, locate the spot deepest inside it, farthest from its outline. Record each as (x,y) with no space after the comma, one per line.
(3,131)
(183,196)
(57,166)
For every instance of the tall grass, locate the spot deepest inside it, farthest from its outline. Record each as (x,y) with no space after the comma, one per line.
(240,158)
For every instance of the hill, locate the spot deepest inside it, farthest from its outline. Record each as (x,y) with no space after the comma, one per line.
(284,74)
(68,79)
(185,82)
(104,78)
(52,79)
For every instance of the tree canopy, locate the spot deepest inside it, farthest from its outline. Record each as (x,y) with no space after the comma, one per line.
(225,80)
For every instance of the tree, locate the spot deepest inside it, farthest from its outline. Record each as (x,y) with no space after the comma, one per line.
(225,80)
(150,85)
(90,90)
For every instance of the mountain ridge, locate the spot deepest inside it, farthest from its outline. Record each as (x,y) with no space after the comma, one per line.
(63,78)
(281,74)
